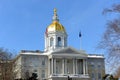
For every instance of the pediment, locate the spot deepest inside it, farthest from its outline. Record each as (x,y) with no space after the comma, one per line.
(69,51)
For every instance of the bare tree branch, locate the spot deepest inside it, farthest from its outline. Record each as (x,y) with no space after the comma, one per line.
(111,41)
(115,8)
(6,64)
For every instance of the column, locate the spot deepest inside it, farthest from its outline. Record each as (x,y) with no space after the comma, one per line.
(84,66)
(54,65)
(62,38)
(76,66)
(63,41)
(45,43)
(49,64)
(63,66)
(54,41)
(73,66)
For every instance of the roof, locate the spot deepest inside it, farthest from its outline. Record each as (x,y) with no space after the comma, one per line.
(95,56)
(69,51)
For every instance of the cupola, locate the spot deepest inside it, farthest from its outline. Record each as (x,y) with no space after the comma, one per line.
(55,25)
(55,35)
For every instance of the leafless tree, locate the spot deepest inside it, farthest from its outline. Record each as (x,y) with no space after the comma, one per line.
(111,40)
(117,74)
(5,64)
(115,8)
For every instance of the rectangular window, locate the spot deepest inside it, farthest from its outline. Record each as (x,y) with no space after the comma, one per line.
(43,62)
(92,66)
(99,66)
(56,69)
(99,76)
(93,76)
(43,74)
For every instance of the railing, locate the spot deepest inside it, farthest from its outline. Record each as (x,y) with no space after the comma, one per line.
(71,75)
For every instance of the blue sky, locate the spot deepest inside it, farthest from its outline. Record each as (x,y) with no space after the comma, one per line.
(23,22)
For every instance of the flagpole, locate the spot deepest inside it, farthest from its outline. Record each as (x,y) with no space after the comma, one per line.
(80,36)
(80,43)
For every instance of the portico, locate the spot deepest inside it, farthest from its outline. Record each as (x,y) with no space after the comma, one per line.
(64,64)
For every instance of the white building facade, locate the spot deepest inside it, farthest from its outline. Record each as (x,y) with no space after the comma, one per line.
(58,61)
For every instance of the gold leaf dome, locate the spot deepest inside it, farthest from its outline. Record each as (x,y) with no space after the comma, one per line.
(55,25)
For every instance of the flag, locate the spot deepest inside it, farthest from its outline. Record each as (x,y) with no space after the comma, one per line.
(80,34)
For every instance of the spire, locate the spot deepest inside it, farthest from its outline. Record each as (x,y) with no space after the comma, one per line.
(55,17)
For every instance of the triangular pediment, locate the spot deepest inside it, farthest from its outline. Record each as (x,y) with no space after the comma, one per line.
(69,51)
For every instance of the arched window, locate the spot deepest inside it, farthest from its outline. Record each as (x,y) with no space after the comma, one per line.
(51,41)
(59,41)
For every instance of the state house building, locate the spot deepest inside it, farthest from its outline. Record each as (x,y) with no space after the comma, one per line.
(58,61)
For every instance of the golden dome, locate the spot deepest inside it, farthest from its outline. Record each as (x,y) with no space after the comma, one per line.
(55,25)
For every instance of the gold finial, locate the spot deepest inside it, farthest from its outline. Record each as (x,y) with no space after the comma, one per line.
(55,17)
(55,10)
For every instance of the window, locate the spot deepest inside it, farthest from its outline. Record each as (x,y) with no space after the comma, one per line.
(99,76)
(93,66)
(27,74)
(59,41)
(43,74)
(56,69)
(51,41)
(99,66)
(43,62)
(68,67)
(93,76)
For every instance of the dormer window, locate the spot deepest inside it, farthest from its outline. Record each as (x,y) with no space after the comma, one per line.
(59,41)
